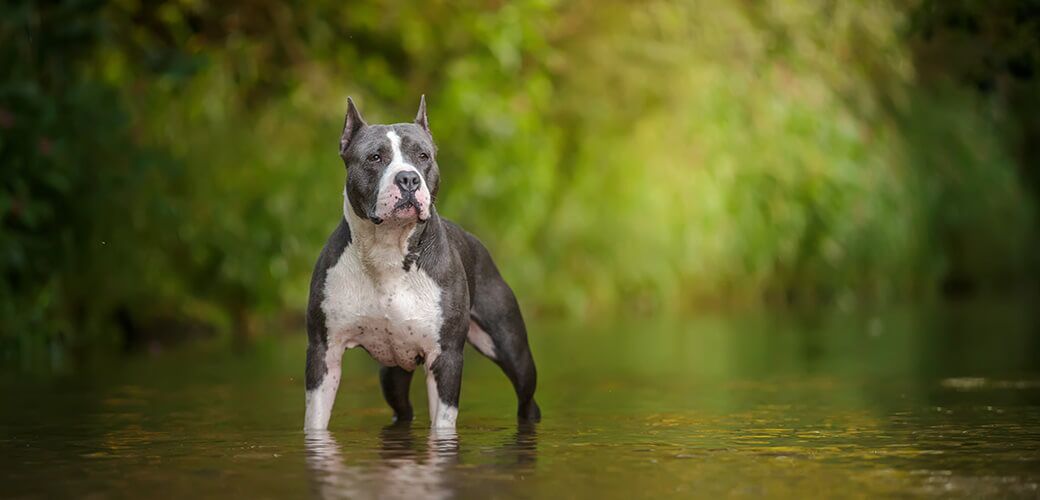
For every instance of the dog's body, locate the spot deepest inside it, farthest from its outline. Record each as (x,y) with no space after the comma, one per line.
(405,284)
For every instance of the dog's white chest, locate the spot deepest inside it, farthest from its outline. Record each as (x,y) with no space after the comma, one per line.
(394,314)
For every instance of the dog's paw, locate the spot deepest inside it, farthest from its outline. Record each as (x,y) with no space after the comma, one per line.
(529,412)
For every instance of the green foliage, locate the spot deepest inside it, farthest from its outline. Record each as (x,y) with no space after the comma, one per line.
(72,174)
(178,158)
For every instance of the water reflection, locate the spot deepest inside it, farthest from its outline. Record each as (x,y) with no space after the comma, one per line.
(406,466)
(403,470)
(523,447)
(887,406)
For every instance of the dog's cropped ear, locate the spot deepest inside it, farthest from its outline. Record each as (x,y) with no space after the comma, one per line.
(420,117)
(351,124)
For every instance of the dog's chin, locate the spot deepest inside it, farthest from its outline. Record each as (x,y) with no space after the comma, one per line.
(408,214)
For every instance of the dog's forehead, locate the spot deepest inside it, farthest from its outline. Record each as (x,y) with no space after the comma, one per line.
(411,133)
(374,136)
(371,137)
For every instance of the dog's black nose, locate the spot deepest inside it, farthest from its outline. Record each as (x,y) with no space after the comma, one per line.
(407,180)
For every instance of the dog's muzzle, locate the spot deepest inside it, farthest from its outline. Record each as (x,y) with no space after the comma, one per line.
(405,197)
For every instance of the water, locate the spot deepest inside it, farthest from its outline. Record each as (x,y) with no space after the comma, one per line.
(937,402)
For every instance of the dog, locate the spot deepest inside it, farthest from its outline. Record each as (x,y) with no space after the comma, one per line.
(406,285)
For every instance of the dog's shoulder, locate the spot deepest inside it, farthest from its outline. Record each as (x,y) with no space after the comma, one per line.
(338,241)
(463,241)
(475,257)
(458,240)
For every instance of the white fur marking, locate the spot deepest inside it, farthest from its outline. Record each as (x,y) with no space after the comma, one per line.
(480,339)
(446,416)
(372,302)
(433,399)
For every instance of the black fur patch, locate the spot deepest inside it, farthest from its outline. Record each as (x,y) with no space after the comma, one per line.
(395,382)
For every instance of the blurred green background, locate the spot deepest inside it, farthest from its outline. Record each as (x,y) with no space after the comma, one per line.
(170,168)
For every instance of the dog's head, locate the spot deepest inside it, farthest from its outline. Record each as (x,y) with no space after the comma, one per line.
(392,174)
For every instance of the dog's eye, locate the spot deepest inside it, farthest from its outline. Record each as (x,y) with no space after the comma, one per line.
(373,157)
(424,156)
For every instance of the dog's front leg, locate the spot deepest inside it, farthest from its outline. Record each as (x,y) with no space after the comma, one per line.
(323,373)
(443,384)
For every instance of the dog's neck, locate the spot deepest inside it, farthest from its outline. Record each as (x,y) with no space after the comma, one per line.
(384,246)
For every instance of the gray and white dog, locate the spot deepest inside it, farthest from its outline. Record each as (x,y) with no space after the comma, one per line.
(406,285)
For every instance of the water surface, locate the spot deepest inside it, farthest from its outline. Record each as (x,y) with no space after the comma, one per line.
(943,401)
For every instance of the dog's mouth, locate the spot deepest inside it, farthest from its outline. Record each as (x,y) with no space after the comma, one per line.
(405,209)
(400,207)
(408,203)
